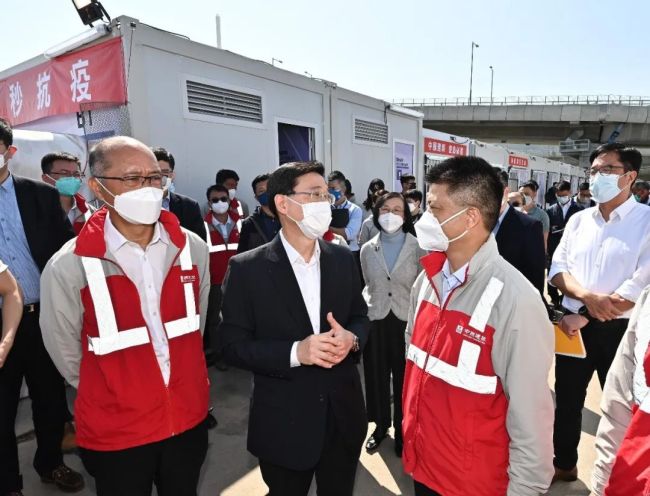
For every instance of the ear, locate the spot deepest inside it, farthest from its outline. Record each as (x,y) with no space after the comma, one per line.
(474,217)
(98,191)
(11,151)
(281,204)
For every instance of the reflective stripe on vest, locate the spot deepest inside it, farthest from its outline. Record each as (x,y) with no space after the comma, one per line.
(223,247)
(110,339)
(87,214)
(464,374)
(640,389)
(240,213)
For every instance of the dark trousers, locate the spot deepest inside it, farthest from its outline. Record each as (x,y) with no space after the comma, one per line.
(173,465)
(28,359)
(422,490)
(383,357)
(572,376)
(213,318)
(334,472)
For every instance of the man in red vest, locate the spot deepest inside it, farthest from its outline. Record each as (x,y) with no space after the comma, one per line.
(478,412)
(63,171)
(123,308)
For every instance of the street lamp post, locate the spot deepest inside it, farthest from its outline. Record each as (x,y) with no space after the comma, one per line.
(491,84)
(471,72)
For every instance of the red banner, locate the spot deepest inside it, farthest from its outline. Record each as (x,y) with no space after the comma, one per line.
(520,162)
(439,147)
(62,85)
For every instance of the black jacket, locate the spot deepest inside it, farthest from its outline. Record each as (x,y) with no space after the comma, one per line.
(46,225)
(263,315)
(188,213)
(558,222)
(521,242)
(253,232)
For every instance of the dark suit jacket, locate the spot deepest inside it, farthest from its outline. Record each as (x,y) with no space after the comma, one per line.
(521,242)
(558,222)
(263,315)
(188,213)
(46,225)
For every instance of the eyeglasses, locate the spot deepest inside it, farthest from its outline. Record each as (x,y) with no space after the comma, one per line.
(136,181)
(396,210)
(605,170)
(76,175)
(220,199)
(315,196)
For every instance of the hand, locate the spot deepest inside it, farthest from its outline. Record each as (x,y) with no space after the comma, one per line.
(572,323)
(318,349)
(345,339)
(5,348)
(602,306)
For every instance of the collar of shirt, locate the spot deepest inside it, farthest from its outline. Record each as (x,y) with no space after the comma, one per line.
(295,258)
(165,202)
(115,240)
(8,185)
(345,204)
(619,212)
(455,279)
(500,219)
(216,222)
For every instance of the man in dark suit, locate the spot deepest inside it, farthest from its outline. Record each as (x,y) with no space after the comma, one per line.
(185,208)
(559,214)
(520,240)
(33,227)
(294,315)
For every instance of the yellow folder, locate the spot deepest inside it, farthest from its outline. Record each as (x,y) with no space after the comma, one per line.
(572,347)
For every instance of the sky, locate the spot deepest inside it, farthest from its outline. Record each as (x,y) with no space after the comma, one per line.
(393,49)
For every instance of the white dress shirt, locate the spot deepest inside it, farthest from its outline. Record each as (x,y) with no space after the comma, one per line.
(308,277)
(145,268)
(565,209)
(606,257)
(451,281)
(224,229)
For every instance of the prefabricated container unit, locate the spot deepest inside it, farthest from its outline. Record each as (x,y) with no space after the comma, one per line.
(215,109)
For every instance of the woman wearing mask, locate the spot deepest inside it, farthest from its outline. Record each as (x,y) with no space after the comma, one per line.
(368,229)
(374,186)
(390,262)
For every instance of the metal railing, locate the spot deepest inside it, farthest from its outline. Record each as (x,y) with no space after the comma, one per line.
(633,101)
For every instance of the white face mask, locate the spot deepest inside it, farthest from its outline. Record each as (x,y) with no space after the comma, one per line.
(529,201)
(430,235)
(413,207)
(316,218)
(3,161)
(604,188)
(220,207)
(232,193)
(139,206)
(390,222)
(563,200)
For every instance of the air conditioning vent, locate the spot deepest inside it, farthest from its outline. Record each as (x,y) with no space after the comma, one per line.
(222,102)
(370,131)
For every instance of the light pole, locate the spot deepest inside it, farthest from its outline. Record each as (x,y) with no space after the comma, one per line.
(471,72)
(274,60)
(491,83)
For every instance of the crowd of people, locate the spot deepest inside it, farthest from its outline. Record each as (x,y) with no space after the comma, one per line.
(448,298)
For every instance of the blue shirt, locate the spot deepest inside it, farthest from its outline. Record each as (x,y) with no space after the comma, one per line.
(354,224)
(13,244)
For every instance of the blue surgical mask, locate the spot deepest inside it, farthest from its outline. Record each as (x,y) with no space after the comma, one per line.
(68,186)
(336,193)
(637,198)
(263,199)
(604,188)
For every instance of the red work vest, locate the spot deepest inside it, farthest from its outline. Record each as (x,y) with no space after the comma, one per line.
(455,437)
(631,471)
(84,209)
(220,250)
(122,399)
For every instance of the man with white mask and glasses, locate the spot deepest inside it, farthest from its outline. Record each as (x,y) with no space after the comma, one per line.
(477,406)
(601,266)
(123,309)
(293,314)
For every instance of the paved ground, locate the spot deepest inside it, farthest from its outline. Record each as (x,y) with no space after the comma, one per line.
(230,471)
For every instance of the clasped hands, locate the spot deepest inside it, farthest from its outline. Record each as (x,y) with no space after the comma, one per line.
(326,349)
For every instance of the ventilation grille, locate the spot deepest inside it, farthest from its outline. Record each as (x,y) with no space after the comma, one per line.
(370,131)
(221,102)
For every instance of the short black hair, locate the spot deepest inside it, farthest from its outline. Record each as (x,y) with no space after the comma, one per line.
(162,154)
(641,184)
(215,187)
(531,184)
(630,157)
(407,227)
(375,185)
(564,186)
(284,178)
(583,186)
(407,178)
(336,176)
(414,194)
(224,174)
(259,179)
(348,186)
(6,133)
(472,182)
(503,176)
(48,160)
